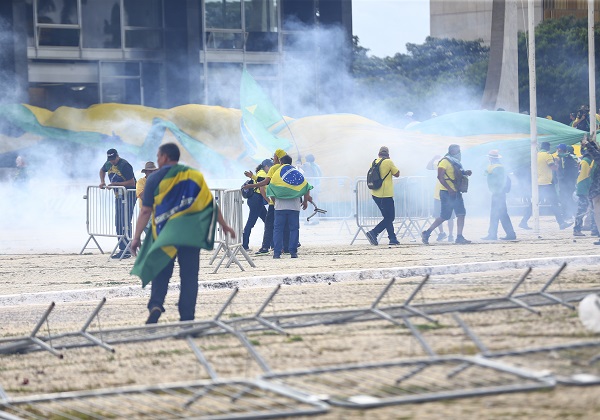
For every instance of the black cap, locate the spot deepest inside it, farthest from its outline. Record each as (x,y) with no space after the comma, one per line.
(111,154)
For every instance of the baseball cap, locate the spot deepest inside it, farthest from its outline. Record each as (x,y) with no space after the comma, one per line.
(280,153)
(111,154)
(561,146)
(267,162)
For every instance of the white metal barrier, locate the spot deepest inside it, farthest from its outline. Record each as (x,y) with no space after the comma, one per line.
(413,202)
(334,194)
(110,212)
(231,204)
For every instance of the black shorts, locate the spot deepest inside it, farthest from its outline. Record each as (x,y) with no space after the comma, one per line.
(449,204)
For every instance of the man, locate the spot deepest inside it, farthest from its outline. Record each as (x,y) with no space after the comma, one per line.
(288,186)
(546,166)
(120,174)
(384,198)
(498,186)
(312,172)
(183,220)
(270,219)
(566,173)
(449,170)
(584,182)
(594,194)
(149,168)
(437,206)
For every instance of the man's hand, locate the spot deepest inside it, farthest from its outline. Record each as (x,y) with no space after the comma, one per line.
(452,194)
(249,174)
(228,230)
(134,245)
(469,172)
(102,185)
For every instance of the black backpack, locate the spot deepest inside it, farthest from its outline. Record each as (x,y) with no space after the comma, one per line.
(247,192)
(374,180)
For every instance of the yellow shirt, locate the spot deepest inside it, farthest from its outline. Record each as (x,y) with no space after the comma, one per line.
(139,188)
(445,164)
(585,170)
(544,171)
(388,168)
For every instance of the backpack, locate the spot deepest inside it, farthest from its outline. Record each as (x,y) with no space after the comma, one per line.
(461,183)
(507,184)
(374,180)
(249,192)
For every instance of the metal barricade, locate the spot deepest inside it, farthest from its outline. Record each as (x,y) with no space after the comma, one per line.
(413,202)
(230,202)
(334,194)
(110,212)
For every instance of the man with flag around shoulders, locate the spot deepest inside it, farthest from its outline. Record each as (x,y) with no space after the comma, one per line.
(288,186)
(184,216)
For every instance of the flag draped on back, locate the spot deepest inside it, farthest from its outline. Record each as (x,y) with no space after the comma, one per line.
(184,214)
(288,182)
(258,114)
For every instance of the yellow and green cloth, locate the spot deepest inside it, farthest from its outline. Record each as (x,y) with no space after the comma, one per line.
(183,214)
(287,182)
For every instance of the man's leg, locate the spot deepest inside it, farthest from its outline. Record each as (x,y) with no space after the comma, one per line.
(269,225)
(294,224)
(381,225)
(120,221)
(189,266)
(505,221)
(130,208)
(494,219)
(389,215)
(548,192)
(459,210)
(445,213)
(582,209)
(158,292)
(278,227)
(255,211)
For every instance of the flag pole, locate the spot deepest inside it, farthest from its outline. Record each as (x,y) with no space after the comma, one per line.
(592,69)
(535,199)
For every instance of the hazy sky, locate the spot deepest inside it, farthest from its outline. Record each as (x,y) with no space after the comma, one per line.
(385,26)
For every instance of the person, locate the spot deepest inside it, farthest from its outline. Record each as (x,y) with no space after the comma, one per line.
(256,202)
(384,198)
(120,174)
(594,193)
(312,172)
(566,175)
(21,175)
(450,197)
(183,213)
(267,242)
(498,185)
(437,206)
(410,120)
(149,168)
(546,166)
(583,119)
(584,182)
(288,186)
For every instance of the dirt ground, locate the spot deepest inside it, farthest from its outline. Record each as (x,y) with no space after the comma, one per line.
(30,274)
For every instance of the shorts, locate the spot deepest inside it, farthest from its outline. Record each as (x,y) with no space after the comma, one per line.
(437,209)
(449,205)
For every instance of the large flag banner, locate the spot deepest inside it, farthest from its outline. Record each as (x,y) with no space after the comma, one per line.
(184,214)
(288,182)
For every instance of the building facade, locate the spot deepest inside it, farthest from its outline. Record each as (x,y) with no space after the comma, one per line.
(164,53)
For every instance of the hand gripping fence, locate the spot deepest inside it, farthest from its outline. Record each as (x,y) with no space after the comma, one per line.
(110,212)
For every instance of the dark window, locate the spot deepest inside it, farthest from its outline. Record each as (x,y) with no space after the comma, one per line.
(297,13)
(58,37)
(143,13)
(57,11)
(101,24)
(148,39)
(223,14)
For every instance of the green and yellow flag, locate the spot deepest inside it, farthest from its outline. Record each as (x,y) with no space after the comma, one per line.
(184,214)
(288,182)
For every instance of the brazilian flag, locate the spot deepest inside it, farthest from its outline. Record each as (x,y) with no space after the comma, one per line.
(288,182)
(184,214)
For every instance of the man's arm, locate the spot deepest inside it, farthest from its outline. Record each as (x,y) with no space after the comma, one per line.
(226,228)
(142,221)
(102,178)
(128,183)
(262,183)
(442,178)
(397,174)
(306,199)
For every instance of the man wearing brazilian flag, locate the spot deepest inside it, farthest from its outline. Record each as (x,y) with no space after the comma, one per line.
(288,186)
(184,216)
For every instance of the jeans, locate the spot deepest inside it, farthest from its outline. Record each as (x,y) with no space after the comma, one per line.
(499,213)
(283,218)
(257,209)
(189,265)
(267,242)
(123,218)
(548,193)
(388,211)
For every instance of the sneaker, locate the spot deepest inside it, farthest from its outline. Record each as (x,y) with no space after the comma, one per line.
(595,233)
(597,243)
(261,251)
(276,256)
(425,237)
(294,255)
(121,255)
(489,238)
(450,238)
(441,236)
(461,240)
(509,238)
(372,238)
(565,225)
(523,225)
(578,233)
(394,242)
(155,313)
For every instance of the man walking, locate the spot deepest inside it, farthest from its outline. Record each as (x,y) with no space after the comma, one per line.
(120,174)
(584,182)
(498,185)
(288,185)
(183,215)
(566,174)
(384,197)
(450,174)
(547,191)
